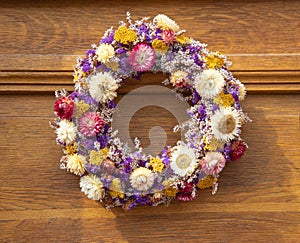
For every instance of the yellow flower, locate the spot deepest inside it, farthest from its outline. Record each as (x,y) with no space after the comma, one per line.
(182,39)
(96,157)
(207,182)
(170,191)
(71,149)
(81,107)
(104,52)
(213,61)
(157,164)
(214,144)
(225,100)
(159,45)
(76,164)
(115,188)
(78,74)
(125,35)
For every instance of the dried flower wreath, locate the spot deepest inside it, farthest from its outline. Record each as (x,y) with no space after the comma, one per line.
(112,172)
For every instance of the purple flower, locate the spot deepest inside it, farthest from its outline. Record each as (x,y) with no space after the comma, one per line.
(127,166)
(196,59)
(125,65)
(121,50)
(87,99)
(86,66)
(202,112)
(196,97)
(142,163)
(103,140)
(164,156)
(143,29)
(111,104)
(92,168)
(141,200)
(215,107)
(194,49)
(108,39)
(158,34)
(226,151)
(234,91)
(90,52)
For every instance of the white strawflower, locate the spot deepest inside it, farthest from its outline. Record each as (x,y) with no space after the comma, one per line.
(142,179)
(209,83)
(165,23)
(76,164)
(183,160)
(225,123)
(66,133)
(102,87)
(105,52)
(242,91)
(92,186)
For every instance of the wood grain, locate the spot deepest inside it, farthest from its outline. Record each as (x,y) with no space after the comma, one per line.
(258,198)
(257,194)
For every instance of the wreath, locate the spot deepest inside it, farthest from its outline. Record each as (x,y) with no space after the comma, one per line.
(112,172)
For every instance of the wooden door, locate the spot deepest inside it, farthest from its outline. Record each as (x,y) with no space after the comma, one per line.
(259,197)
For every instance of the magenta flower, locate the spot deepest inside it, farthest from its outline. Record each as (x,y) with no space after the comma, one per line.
(142,57)
(90,124)
(213,163)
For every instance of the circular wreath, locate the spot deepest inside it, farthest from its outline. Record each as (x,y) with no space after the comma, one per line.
(109,170)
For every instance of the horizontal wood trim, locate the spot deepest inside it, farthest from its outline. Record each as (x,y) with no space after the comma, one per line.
(240,62)
(273,81)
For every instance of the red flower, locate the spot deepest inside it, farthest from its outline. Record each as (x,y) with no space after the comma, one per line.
(238,148)
(168,36)
(64,108)
(188,192)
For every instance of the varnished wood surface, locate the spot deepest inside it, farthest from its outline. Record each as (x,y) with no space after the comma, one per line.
(258,198)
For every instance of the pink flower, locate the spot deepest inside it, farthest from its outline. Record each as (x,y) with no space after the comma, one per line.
(168,36)
(188,192)
(142,57)
(64,108)
(238,148)
(213,163)
(90,124)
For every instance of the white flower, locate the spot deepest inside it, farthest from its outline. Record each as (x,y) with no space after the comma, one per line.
(164,22)
(76,164)
(102,87)
(66,133)
(242,91)
(209,83)
(92,186)
(105,52)
(225,123)
(141,179)
(183,160)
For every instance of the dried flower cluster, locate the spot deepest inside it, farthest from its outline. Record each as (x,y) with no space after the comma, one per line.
(110,171)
